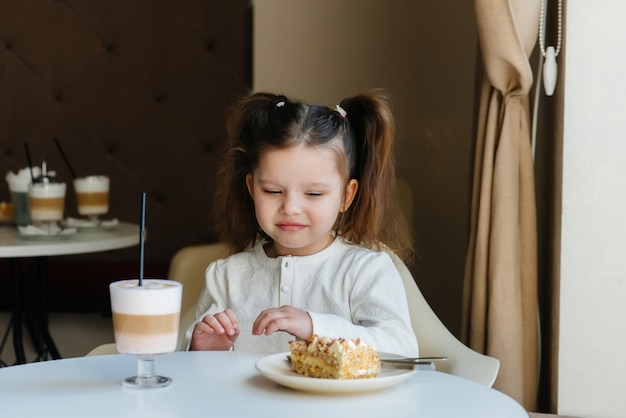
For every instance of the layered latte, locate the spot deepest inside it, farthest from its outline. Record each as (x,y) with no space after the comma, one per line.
(146,318)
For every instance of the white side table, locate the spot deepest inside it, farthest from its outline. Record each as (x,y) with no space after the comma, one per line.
(14,247)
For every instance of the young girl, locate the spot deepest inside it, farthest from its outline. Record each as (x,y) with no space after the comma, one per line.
(306,200)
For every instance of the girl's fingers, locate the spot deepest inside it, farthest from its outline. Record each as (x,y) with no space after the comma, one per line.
(272,320)
(286,318)
(223,322)
(232,319)
(203,327)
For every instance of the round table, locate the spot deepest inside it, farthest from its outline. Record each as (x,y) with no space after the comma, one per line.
(14,246)
(226,384)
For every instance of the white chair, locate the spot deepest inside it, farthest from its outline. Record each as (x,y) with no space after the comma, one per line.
(187,266)
(436,340)
(432,335)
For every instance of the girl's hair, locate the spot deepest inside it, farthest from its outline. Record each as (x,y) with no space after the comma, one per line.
(361,130)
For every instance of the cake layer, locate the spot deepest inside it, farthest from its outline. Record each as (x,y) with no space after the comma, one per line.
(337,358)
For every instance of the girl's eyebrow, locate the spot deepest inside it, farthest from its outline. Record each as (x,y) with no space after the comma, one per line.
(317,184)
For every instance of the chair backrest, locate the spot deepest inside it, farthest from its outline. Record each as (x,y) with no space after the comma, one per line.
(188,266)
(436,340)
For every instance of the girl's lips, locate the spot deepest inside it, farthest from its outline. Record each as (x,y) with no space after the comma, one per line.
(290,226)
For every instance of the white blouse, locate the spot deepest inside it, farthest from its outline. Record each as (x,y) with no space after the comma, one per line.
(349,292)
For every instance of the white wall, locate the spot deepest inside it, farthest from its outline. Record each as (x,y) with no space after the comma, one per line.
(592,352)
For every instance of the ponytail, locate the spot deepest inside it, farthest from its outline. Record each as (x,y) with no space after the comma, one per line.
(374,219)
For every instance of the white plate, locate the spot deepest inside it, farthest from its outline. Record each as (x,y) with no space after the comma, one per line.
(83,224)
(276,368)
(31,232)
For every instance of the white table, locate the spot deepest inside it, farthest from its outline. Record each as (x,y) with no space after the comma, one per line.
(13,246)
(226,384)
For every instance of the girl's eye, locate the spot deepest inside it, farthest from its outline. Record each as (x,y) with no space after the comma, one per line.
(272,191)
(314,194)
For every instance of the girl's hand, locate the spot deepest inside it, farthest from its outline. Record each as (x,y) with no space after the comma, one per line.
(286,318)
(215,332)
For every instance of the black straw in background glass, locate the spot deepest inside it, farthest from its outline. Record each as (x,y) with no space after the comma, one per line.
(142,236)
(30,162)
(67,162)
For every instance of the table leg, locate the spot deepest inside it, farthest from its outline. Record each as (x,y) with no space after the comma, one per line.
(44,330)
(31,322)
(4,339)
(18,342)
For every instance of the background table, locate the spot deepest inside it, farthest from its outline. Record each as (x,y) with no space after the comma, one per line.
(226,384)
(13,246)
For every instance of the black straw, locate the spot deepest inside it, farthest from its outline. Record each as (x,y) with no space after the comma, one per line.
(30,162)
(142,236)
(67,162)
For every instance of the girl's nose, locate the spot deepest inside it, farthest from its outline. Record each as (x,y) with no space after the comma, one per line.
(291,204)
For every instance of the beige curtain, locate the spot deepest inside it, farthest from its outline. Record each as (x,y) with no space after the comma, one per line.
(500,294)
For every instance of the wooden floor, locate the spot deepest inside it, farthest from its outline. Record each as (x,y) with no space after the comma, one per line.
(74,334)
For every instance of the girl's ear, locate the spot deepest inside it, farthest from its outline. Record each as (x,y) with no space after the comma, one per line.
(351,188)
(249,185)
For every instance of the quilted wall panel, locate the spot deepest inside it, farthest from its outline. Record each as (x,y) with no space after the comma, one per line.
(135,89)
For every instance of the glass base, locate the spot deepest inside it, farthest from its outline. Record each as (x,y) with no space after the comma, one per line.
(147,382)
(48,226)
(146,378)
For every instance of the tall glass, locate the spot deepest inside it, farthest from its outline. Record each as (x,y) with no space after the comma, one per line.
(92,196)
(145,324)
(18,187)
(47,203)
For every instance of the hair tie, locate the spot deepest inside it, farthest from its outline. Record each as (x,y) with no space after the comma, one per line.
(280,104)
(341,111)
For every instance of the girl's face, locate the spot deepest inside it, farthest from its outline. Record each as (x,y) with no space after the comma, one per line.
(298,193)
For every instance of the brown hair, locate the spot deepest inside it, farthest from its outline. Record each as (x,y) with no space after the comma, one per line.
(364,141)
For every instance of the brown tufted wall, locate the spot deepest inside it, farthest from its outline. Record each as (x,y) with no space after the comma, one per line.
(133,89)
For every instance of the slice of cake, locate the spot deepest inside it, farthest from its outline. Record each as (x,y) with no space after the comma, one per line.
(334,358)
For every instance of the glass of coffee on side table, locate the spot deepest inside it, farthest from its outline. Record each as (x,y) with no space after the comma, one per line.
(146,318)
(92,196)
(19,183)
(47,203)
